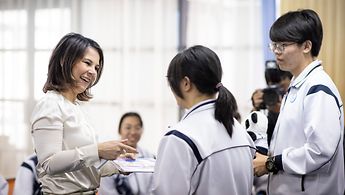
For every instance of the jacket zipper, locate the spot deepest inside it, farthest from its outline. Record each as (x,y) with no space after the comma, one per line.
(302,183)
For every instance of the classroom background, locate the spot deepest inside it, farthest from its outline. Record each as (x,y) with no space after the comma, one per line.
(139,38)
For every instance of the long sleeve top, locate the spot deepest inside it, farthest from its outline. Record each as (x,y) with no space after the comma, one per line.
(197,156)
(66,146)
(308,138)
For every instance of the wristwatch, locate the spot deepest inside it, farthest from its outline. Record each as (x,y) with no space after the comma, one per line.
(270,165)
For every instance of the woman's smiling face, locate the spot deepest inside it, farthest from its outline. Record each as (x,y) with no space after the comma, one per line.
(84,71)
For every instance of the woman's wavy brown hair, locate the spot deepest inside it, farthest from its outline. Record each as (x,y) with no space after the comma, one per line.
(67,52)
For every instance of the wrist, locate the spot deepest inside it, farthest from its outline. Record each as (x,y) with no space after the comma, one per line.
(271,164)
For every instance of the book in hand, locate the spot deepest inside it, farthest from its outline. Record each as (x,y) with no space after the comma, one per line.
(126,165)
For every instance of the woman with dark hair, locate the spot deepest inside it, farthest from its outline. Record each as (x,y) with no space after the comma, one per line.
(208,151)
(306,152)
(65,143)
(131,128)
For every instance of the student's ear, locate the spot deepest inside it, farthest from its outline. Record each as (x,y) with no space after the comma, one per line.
(307,45)
(186,84)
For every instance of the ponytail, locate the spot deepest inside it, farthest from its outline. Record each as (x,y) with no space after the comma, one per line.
(202,66)
(226,108)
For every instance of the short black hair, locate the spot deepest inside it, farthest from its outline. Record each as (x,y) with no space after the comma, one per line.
(299,26)
(274,76)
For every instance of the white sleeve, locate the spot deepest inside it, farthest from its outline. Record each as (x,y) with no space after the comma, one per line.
(48,133)
(174,167)
(322,129)
(24,181)
(3,186)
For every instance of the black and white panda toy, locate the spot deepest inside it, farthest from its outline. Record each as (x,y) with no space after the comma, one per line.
(256,124)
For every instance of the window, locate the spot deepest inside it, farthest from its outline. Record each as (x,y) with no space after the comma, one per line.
(27,36)
(139,38)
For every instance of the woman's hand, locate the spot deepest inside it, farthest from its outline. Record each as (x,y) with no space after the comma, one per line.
(259,164)
(129,156)
(110,150)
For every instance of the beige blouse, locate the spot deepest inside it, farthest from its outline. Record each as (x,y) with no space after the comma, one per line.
(66,147)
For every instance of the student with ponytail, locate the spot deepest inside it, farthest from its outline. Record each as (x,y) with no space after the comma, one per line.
(208,151)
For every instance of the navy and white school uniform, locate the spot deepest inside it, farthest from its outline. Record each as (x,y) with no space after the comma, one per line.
(26,179)
(137,183)
(308,137)
(197,156)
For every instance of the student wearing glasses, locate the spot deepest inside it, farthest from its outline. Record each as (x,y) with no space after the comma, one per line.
(208,151)
(306,150)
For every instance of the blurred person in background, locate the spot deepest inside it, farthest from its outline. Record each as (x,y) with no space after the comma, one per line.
(130,128)
(26,179)
(268,100)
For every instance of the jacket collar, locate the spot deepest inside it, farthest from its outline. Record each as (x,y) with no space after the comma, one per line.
(299,80)
(198,106)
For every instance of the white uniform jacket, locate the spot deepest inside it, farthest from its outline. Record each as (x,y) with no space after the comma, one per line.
(26,179)
(197,156)
(139,183)
(308,137)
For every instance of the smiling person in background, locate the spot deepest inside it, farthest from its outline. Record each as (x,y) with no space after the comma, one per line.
(130,128)
(64,141)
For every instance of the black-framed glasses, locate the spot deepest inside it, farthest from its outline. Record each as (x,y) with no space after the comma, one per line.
(279,47)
